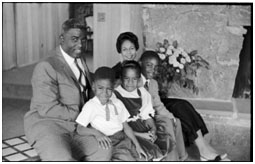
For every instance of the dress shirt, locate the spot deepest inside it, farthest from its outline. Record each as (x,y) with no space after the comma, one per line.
(71,63)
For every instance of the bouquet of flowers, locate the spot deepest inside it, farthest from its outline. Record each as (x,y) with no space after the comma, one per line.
(177,66)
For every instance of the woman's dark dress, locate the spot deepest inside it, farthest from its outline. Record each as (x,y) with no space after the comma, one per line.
(191,120)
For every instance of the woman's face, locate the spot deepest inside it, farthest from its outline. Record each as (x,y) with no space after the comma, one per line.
(130,80)
(128,50)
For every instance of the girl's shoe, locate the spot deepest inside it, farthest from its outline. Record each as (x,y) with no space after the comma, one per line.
(217,158)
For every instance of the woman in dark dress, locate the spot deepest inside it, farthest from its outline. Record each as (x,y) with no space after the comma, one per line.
(193,126)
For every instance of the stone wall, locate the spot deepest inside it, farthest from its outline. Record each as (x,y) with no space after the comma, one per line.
(215,31)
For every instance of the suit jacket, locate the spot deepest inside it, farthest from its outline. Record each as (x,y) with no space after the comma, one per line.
(56,94)
(156,102)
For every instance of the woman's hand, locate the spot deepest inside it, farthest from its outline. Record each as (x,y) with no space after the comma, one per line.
(103,141)
(140,152)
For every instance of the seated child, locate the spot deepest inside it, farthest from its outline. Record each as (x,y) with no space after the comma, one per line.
(107,116)
(193,126)
(157,144)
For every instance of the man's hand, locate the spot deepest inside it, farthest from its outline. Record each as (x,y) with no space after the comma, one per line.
(103,141)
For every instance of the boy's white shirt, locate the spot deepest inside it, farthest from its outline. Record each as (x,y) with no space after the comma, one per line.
(147,107)
(94,112)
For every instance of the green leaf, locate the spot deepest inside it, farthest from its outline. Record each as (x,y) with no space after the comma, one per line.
(158,45)
(193,53)
(175,44)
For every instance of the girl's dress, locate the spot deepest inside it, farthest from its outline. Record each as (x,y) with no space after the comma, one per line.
(162,146)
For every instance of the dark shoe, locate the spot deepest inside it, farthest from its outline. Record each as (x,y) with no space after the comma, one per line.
(216,159)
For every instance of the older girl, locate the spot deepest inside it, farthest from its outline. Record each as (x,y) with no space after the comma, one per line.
(152,137)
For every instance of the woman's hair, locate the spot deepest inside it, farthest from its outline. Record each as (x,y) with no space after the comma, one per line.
(130,64)
(126,36)
(72,23)
(149,55)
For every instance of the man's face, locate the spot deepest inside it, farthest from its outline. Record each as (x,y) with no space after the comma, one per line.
(72,42)
(103,90)
(149,67)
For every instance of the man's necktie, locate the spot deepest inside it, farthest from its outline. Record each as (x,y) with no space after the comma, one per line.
(82,83)
(81,75)
(146,85)
(108,110)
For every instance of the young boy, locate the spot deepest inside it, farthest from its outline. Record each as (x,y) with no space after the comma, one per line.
(107,116)
(149,61)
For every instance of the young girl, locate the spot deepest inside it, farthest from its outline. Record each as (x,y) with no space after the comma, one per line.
(107,115)
(156,144)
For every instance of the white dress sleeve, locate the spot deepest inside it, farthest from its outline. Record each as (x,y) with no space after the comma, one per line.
(147,108)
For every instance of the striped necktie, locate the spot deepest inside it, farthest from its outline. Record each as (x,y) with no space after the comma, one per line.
(108,110)
(82,80)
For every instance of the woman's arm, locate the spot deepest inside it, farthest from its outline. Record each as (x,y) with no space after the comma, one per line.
(129,132)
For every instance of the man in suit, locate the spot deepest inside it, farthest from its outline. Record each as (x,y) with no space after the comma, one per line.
(61,86)
(149,61)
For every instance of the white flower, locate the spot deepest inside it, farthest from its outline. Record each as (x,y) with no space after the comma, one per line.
(183,61)
(180,49)
(188,59)
(162,56)
(176,64)
(181,66)
(185,54)
(171,47)
(177,70)
(176,53)
(169,51)
(162,49)
(172,59)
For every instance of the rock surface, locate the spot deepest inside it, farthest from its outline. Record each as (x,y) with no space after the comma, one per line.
(215,31)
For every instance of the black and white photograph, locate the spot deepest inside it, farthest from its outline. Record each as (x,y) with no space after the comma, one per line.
(127,81)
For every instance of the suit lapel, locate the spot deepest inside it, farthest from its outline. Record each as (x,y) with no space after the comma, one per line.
(65,68)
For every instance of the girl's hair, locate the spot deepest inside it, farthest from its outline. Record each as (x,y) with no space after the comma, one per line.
(126,36)
(149,55)
(130,64)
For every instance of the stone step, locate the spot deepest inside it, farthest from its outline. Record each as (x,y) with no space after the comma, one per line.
(17,91)
(230,135)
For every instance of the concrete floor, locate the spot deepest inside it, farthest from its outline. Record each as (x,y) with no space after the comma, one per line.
(12,120)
